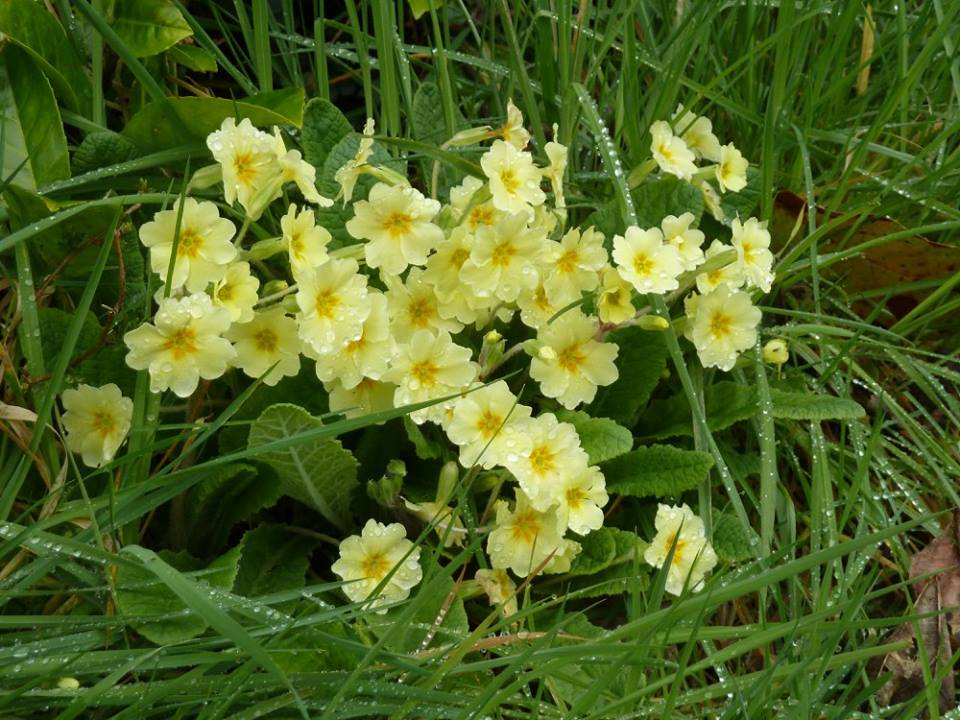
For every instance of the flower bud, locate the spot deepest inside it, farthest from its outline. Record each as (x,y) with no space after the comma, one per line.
(68,683)
(263,249)
(652,322)
(470,137)
(492,337)
(272,287)
(775,352)
(447,482)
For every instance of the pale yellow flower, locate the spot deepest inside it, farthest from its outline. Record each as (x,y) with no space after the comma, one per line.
(776,352)
(504,259)
(305,240)
(573,264)
(513,130)
(96,421)
(396,223)
(536,306)
(752,243)
(688,240)
(581,498)
(333,305)
(614,302)
(182,345)
(351,171)
(367,396)
(368,356)
(268,340)
(251,171)
(693,555)
(428,367)
(293,168)
(499,588)
(367,559)
(732,169)
(514,179)
(712,202)
(413,305)
(554,453)
(646,262)
(523,537)
(557,154)
(722,324)
(563,558)
(237,292)
(484,425)
(575,363)
(455,299)
(697,133)
(730,275)
(204,247)
(671,152)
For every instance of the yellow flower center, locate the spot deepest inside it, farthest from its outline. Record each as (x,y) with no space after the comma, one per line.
(642,264)
(419,312)
(721,325)
(541,300)
(296,245)
(326,304)
(458,257)
(182,343)
(525,526)
(103,423)
(571,358)
(190,243)
(266,340)
(355,345)
(375,566)
(542,460)
(425,373)
(397,224)
(243,167)
(677,549)
(482,215)
(510,181)
(503,254)
(225,293)
(747,252)
(574,497)
(568,261)
(488,424)
(666,150)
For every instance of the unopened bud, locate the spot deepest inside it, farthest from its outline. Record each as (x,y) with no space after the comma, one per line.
(68,683)
(272,287)
(263,249)
(449,475)
(492,337)
(653,322)
(470,137)
(205,177)
(775,352)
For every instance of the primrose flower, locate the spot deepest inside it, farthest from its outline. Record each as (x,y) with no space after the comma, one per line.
(563,558)
(571,363)
(732,169)
(712,201)
(182,345)
(427,367)
(723,323)
(237,292)
(454,298)
(204,247)
(248,158)
(671,152)
(557,155)
(333,305)
(582,496)
(536,306)
(730,275)
(484,425)
(367,396)
(268,340)
(697,133)
(395,220)
(614,303)
(413,305)
(514,179)
(504,258)
(573,264)
(477,214)
(555,452)
(513,130)
(752,242)
(293,168)
(523,537)
(693,555)
(646,262)
(677,232)
(367,356)
(96,421)
(776,352)
(499,588)
(351,171)
(367,559)
(305,240)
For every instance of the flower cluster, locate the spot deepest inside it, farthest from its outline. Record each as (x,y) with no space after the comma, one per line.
(407,311)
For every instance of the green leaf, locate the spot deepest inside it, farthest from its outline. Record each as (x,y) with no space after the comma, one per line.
(323,127)
(100,149)
(27,24)
(274,558)
(34,145)
(320,474)
(598,550)
(233,493)
(193,58)
(425,448)
(147,27)
(618,576)
(742,203)
(657,471)
(141,594)
(666,195)
(427,119)
(731,540)
(641,362)
(601,438)
(419,7)
(804,406)
(726,403)
(181,120)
